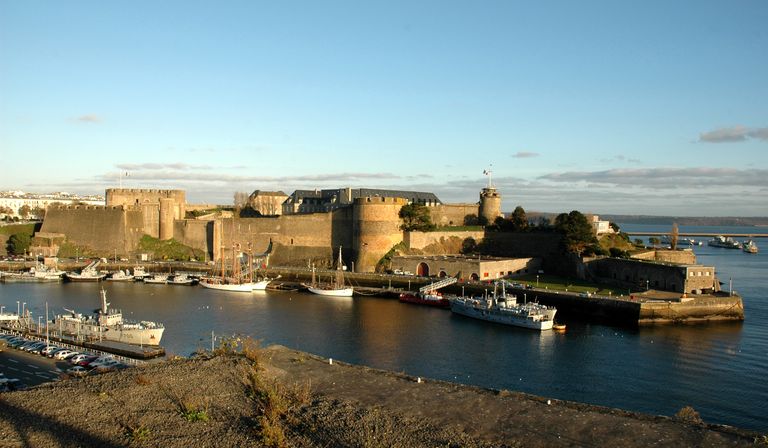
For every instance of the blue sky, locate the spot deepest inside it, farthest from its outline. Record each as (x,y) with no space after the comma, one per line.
(607,107)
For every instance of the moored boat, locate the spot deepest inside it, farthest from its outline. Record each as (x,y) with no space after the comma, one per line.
(749,247)
(505,310)
(108,324)
(120,276)
(182,280)
(336,288)
(436,299)
(87,274)
(725,242)
(157,279)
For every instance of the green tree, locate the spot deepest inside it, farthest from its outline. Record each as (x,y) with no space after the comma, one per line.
(416,217)
(38,212)
(19,243)
(578,232)
(638,242)
(518,220)
(654,240)
(24,211)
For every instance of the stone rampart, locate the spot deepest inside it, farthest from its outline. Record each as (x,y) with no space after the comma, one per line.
(641,275)
(522,245)
(420,240)
(452,214)
(103,229)
(195,234)
(685,256)
(297,239)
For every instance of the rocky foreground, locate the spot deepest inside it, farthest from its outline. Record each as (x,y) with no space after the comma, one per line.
(281,397)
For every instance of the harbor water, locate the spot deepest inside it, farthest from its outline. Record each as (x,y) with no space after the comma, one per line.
(718,369)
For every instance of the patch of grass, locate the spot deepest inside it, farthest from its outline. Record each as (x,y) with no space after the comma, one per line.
(459,229)
(273,402)
(562,283)
(27,229)
(168,249)
(138,434)
(193,413)
(689,415)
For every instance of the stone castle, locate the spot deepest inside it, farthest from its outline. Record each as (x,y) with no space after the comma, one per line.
(306,226)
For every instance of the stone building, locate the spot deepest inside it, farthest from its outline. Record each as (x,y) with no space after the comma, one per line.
(314,201)
(267,203)
(465,268)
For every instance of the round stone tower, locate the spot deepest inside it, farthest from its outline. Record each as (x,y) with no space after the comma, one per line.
(375,229)
(490,204)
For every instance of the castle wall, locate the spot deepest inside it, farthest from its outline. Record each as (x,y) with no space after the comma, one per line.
(640,274)
(685,256)
(104,229)
(452,214)
(131,197)
(420,240)
(298,240)
(376,228)
(197,234)
(490,204)
(521,245)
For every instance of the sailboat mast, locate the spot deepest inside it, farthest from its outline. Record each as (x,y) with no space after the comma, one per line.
(339,272)
(250,262)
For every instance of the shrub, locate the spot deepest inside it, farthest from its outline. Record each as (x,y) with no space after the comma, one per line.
(688,415)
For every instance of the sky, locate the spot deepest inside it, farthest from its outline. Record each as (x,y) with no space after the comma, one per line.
(654,107)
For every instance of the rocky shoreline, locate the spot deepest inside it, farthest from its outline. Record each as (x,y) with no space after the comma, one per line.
(281,397)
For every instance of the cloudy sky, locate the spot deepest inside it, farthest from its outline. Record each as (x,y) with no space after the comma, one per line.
(648,107)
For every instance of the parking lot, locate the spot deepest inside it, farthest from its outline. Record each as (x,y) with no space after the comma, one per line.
(30,369)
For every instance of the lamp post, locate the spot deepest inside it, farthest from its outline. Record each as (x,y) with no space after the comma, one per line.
(646,285)
(537,280)
(39,320)
(18,309)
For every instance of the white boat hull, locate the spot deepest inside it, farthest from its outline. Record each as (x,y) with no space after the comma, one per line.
(343,292)
(503,318)
(234,287)
(137,336)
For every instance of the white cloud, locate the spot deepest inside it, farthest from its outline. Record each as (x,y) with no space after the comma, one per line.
(733,134)
(525,154)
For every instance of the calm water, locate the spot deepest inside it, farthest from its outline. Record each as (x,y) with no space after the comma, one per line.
(719,369)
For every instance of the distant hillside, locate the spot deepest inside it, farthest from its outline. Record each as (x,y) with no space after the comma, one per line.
(688,220)
(667,220)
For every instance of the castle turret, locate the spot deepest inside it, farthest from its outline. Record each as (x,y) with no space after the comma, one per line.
(375,229)
(490,204)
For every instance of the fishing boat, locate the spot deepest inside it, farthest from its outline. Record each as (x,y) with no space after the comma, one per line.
(181,280)
(108,324)
(157,279)
(749,247)
(87,274)
(120,276)
(505,310)
(336,288)
(139,273)
(37,274)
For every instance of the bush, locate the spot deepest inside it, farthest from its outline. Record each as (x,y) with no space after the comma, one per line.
(688,415)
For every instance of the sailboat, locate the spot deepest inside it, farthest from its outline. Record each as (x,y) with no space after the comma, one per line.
(336,288)
(237,282)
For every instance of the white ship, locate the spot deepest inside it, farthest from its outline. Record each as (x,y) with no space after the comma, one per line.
(87,274)
(233,285)
(35,275)
(505,310)
(242,279)
(108,324)
(121,276)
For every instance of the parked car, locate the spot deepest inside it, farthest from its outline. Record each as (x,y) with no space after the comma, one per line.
(48,350)
(87,361)
(63,354)
(34,345)
(79,357)
(77,371)
(16,343)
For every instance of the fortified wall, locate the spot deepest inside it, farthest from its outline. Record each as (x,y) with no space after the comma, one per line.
(160,208)
(452,214)
(105,229)
(689,279)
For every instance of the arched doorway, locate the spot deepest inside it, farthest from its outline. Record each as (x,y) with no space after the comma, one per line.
(422,269)
(474,277)
(443,274)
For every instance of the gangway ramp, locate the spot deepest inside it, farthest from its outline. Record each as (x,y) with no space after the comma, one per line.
(437,285)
